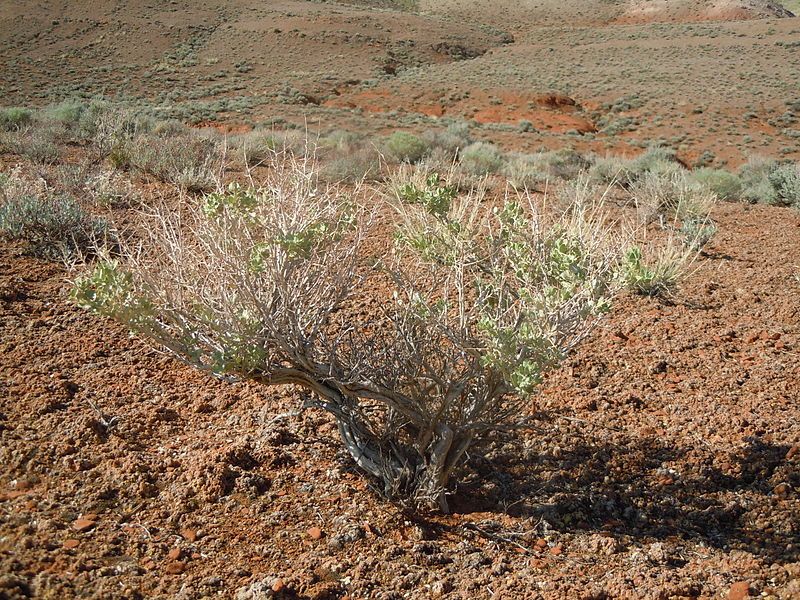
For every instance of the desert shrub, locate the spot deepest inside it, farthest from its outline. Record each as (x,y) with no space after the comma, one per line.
(67,113)
(452,140)
(360,164)
(609,170)
(563,164)
(671,196)
(53,226)
(41,144)
(191,162)
(756,186)
(524,171)
(14,118)
(110,189)
(407,147)
(481,158)
(726,185)
(256,147)
(785,180)
(266,284)
(627,171)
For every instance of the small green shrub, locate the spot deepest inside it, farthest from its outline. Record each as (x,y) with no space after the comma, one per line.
(785,180)
(14,118)
(726,185)
(54,226)
(67,113)
(407,147)
(756,186)
(481,158)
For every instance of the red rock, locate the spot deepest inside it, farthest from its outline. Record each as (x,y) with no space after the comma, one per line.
(541,544)
(189,535)
(278,585)
(793,451)
(174,554)
(148,563)
(175,568)
(556,550)
(315,533)
(71,543)
(83,524)
(739,591)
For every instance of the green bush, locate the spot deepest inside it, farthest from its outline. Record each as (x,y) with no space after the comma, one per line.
(14,118)
(726,185)
(785,180)
(67,113)
(756,186)
(407,147)
(481,158)
(54,227)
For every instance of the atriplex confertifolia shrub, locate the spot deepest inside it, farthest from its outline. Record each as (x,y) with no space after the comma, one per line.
(475,305)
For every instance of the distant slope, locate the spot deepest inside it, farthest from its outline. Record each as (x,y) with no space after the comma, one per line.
(521,14)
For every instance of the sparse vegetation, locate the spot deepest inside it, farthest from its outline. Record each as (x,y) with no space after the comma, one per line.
(52,225)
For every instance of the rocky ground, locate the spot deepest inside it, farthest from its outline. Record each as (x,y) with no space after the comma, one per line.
(665,461)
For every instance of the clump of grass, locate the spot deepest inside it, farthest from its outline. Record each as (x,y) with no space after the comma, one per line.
(771,182)
(482,158)
(655,272)
(54,226)
(524,172)
(452,140)
(626,172)
(407,147)
(364,163)
(726,185)
(190,161)
(14,118)
(671,196)
(109,189)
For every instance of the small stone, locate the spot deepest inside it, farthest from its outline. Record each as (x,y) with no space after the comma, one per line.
(83,524)
(278,585)
(71,543)
(175,568)
(174,554)
(190,535)
(793,451)
(315,533)
(782,489)
(739,591)
(556,550)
